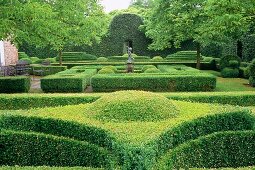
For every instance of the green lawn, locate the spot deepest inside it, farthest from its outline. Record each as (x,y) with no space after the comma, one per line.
(230,84)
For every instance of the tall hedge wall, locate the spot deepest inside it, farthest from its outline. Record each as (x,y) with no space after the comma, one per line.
(123,28)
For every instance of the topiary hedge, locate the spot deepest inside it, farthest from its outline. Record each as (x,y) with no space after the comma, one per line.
(229,72)
(68,81)
(226,60)
(47,70)
(153,82)
(55,127)
(28,101)
(14,84)
(238,120)
(224,149)
(76,56)
(32,149)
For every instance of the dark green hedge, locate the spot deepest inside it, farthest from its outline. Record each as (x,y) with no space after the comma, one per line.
(32,149)
(153,82)
(47,70)
(68,81)
(238,120)
(124,28)
(57,127)
(224,149)
(77,56)
(14,84)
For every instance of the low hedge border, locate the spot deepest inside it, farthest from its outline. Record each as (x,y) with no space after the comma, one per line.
(33,149)
(67,81)
(46,168)
(223,149)
(153,82)
(47,70)
(19,84)
(28,101)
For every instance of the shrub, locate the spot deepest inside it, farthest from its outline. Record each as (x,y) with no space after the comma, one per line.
(145,67)
(67,81)
(14,84)
(113,68)
(106,71)
(230,72)
(28,60)
(80,132)
(208,59)
(251,68)
(157,58)
(77,56)
(234,64)
(133,106)
(51,60)
(34,59)
(152,70)
(252,81)
(163,82)
(238,120)
(223,149)
(48,70)
(23,55)
(31,149)
(225,61)
(102,59)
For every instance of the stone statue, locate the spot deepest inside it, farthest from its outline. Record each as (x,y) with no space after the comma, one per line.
(130,58)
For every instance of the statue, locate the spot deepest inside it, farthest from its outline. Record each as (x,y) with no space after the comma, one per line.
(130,61)
(130,58)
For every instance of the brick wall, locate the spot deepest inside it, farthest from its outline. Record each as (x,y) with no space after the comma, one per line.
(10,53)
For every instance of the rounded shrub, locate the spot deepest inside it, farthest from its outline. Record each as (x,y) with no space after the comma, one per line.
(147,67)
(230,72)
(110,67)
(152,70)
(34,59)
(133,55)
(51,60)
(102,59)
(225,61)
(234,64)
(23,55)
(251,68)
(133,106)
(157,58)
(28,60)
(106,71)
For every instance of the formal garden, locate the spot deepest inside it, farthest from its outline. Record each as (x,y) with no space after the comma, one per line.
(161,85)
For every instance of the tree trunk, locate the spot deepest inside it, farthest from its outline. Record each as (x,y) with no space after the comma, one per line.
(60,57)
(198,56)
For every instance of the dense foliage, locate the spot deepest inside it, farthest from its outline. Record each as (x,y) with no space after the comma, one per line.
(14,84)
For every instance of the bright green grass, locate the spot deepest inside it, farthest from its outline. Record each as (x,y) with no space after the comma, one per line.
(243,168)
(45,168)
(230,84)
(134,133)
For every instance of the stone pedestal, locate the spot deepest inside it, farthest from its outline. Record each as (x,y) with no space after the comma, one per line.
(130,68)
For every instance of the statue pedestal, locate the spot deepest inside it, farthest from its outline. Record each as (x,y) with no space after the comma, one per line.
(130,68)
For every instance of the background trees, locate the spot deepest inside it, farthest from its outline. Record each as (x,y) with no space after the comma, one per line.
(212,21)
(52,22)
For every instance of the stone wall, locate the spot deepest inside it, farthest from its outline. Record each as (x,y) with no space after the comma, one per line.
(10,53)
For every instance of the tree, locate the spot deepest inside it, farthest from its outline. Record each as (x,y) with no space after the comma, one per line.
(141,3)
(203,21)
(52,22)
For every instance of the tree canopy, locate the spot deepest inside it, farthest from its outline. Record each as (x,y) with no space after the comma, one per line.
(52,22)
(204,21)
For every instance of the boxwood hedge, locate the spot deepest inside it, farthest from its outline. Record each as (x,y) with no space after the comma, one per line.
(223,149)
(47,70)
(153,82)
(14,84)
(68,81)
(33,149)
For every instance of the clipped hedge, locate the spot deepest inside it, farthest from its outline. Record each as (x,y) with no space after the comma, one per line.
(55,127)
(68,81)
(47,70)
(28,101)
(31,149)
(46,168)
(153,82)
(14,84)
(76,56)
(223,149)
(229,72)
(239,120)
(232,98)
